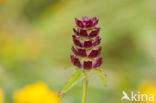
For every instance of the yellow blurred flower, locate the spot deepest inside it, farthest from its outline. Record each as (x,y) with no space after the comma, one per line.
(1,97)
(148,87)
(1,1)
(35,93)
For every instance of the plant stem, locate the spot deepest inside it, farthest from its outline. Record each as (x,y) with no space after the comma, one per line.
(84,88)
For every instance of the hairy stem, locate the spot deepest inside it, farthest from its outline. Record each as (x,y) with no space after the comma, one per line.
(84,88)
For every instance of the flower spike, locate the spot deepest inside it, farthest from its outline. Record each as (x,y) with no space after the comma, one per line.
(86,55)
(86,49)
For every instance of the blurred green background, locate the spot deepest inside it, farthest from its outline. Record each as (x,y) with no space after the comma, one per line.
(35,44)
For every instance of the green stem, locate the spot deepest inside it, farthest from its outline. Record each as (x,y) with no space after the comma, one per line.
(84,88)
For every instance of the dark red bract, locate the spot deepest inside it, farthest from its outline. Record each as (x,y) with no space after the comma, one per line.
(87,43)
(86,22)
(86,49)
(84,33)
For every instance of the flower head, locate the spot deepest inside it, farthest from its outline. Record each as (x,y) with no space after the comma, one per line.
(1,97)
(86,49)
(36,93)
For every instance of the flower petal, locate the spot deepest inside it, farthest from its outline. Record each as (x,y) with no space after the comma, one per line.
(83,33)
(79,23)
(97,63)
(95,53)
(80,52)
(95,21)
(74,51)
(97,41)
(94,33)
(85,18)
(76,41)
(87,65)
(75,61)
(88,44)
(88,24)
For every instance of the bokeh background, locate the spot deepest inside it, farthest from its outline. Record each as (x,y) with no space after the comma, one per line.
(35,44)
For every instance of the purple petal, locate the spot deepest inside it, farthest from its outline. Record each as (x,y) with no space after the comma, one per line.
(94,33)
(76,41)
(95,21)
(97,63)
(97,41)
(82,52)
(79,23)
(83,33)
(87,44)
(74,51)
(87,65)
(79,52)
(89,24)
(85,18)
(95,53)
(75,61)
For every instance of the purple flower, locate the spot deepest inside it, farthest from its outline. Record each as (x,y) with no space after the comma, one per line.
(86,64)
(86,22)
(91,53)
(86,49)
(92,33)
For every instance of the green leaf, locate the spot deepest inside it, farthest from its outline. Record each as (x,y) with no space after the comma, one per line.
(102,76)
(75,78)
